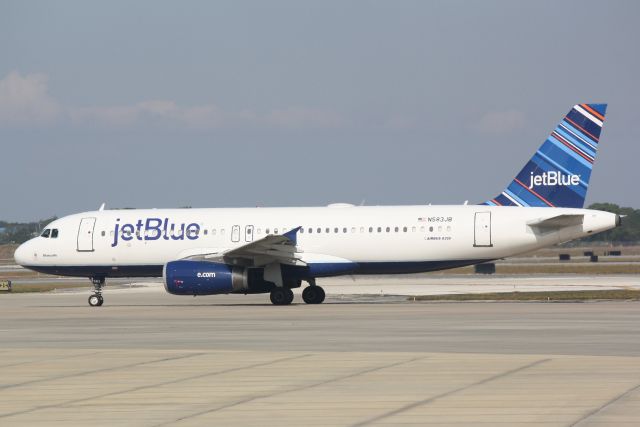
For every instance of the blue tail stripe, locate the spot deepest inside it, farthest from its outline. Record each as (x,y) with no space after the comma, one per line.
(577,143)
(578,134)
(585,123)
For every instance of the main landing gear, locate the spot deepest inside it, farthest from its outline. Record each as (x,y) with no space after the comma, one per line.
(96,299)
(312,294)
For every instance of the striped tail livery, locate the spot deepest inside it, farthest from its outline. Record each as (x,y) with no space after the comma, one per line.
(558,173)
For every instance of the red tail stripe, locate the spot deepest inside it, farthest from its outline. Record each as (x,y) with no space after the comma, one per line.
(569,145)
(581,128)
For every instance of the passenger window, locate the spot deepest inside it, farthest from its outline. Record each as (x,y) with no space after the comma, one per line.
(206,231)
(310,230)
(431,229)
(379,229)
(319,230)
(104,233)
(396,229)
(275,231)
(388,229)
(46,233)
(302,230)
(370,229)
(267,231)
(344,230)
(54,233)
(404,229)
(327,230)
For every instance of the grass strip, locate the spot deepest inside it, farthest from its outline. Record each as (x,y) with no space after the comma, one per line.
(41,287)
(604,294)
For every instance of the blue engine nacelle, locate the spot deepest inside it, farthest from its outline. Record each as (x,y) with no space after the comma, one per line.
(204,278)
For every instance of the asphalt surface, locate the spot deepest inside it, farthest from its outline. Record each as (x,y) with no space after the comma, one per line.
(148,358)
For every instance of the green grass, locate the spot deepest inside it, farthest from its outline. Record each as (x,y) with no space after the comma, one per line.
(613,294)
(41,287)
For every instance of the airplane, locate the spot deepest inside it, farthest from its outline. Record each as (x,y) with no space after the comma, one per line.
(272,250)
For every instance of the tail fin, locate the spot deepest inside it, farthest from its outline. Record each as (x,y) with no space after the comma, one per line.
(558,173)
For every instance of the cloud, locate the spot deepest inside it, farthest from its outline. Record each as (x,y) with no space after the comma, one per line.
(298,117)
(501,122)
(24,100)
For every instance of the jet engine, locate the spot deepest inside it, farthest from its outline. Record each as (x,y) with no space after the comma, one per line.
(208,278)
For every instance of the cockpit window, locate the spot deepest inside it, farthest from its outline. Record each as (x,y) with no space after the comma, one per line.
(54,233)
(46,233)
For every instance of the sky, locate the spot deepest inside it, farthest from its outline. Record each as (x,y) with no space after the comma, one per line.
(295,103)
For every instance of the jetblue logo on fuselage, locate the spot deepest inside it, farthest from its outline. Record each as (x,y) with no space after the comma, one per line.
(154,229)
(552,178)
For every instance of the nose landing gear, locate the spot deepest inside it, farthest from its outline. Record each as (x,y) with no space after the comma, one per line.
(96,299)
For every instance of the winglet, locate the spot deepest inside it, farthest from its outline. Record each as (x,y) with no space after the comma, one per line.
(293,235)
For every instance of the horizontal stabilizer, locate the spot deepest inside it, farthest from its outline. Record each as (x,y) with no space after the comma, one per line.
(558,221)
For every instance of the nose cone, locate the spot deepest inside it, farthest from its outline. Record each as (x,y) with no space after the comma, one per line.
(21,255)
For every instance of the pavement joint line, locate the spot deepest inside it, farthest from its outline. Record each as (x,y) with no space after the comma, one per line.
(97,371)
(448,393)
(133,389)
(57,358)
(605,405)
(291,390)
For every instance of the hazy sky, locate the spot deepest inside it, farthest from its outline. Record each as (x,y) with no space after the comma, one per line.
(292,103)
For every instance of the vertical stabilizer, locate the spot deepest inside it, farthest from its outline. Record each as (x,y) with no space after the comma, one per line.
(558,173)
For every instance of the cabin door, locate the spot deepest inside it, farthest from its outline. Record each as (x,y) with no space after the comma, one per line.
(482,234)
(85,234)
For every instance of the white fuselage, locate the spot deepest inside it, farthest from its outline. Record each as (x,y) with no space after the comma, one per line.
(380,239)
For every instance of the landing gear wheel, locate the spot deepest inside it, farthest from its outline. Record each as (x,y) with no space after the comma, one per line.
(313,295)
(281,296)
(95,300)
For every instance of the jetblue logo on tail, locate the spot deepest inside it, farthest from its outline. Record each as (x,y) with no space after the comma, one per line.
(553,178)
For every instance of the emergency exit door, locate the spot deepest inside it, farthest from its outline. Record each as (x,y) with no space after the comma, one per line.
(85,234)
(482,234)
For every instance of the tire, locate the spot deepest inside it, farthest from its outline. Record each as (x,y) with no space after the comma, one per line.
(95,300)
(101,301)
(277,296)
(289,294)
(281,296)
(313,295)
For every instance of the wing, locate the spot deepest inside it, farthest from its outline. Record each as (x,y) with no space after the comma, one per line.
(274,248)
